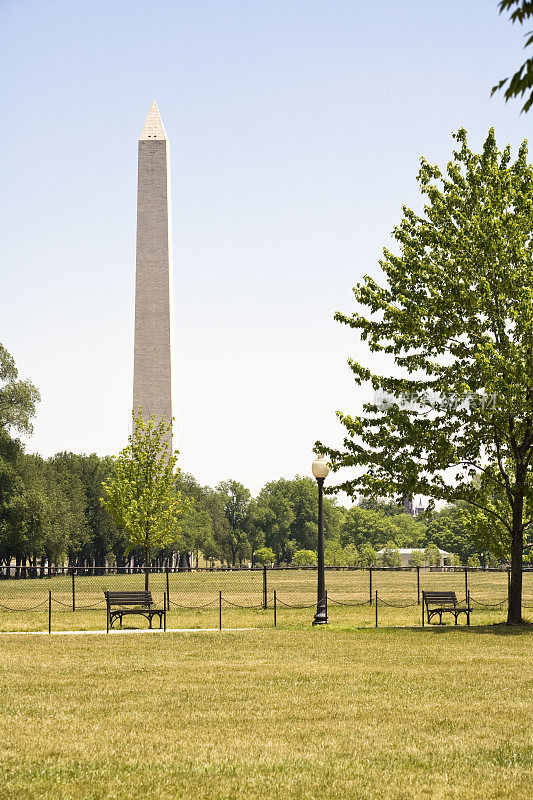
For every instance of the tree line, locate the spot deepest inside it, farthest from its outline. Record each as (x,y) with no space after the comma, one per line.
(53,515)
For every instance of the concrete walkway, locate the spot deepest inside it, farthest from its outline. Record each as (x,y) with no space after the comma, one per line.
(119,631)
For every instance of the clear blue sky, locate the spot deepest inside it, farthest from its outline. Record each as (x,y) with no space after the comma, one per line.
(296,130)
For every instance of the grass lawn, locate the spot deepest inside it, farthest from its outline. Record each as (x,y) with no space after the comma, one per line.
(314,713)
(24,603)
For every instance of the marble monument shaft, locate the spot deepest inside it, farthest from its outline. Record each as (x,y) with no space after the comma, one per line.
(152,372)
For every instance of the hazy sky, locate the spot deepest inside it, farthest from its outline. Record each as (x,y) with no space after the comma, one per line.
(296,130)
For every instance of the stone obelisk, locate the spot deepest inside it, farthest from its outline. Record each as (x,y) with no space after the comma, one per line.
(154,319)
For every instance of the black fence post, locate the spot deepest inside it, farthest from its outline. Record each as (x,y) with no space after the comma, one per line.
(275,609)
(168,593)
(423,621)
(50,611)
(370,582)
(468,607)
(73,590)
(107,615)
(265,599)
(376,608)
(165,600)
(466,581)
(418,584)
(220,610)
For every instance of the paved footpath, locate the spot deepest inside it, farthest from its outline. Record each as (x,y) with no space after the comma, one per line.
(119,632)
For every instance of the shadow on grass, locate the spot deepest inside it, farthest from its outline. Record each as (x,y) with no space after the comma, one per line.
(496,629)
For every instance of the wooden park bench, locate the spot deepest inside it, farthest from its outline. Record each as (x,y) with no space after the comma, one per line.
(121,603)
(443,603)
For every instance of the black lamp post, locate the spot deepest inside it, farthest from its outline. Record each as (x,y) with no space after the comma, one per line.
(320,470)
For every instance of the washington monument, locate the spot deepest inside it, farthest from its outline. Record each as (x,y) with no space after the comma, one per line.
(154,318)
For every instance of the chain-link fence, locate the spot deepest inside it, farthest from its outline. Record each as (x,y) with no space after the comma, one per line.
(74,598)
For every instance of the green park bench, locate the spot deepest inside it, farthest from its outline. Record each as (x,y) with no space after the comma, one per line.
(444,603)
(119,604)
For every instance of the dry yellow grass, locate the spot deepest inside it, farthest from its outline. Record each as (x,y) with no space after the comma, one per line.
(394,714)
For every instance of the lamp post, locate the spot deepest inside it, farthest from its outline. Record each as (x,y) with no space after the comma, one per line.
(320,470)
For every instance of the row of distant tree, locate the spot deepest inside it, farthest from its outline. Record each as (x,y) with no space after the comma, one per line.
(53,514)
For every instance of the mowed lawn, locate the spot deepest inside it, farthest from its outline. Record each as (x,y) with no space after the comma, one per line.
(195,598)
(318,713)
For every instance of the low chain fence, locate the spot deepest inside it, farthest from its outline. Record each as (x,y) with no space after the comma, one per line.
(66,598)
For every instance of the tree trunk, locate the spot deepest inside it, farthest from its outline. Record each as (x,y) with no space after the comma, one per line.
(514,614)
(146,567)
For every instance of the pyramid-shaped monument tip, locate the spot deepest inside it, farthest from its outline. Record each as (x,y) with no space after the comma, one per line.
(153,126)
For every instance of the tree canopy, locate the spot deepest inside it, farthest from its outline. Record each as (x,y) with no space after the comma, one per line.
(521,82)
(454,417)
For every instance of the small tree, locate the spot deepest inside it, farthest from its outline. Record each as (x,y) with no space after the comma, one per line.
(473,561)
(369,557)
(391,555)
(334,555)
(141,495)
(305,558)
(432,555)
(265,555)
(418,559)
(351,554)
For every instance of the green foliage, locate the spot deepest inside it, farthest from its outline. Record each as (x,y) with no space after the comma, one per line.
(368,557)
(446,528)
(351,555)
(521,82)
(286,511)
(418,559)
(141,495)
(17,398)
(391,555)
(304,558)
(455,314)
(334,555)
(432,555)
(382,506)
(237,501)
(198,522)
(265,555)
(473,561)
(362,525)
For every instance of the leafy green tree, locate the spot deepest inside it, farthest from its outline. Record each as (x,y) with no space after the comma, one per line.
(17,398)
(273,515)
(141,494)
(369,557)
(521,82)
(456,315)
(351,555)
(432,554)
(81,477)
(473,561)
(447,529)
(265,555)
(17,407)
(334,555)
(305,558)
(237,505)
(418,559)
(387,508)
(197,534)
(286,511)
(391,555)
(361,525)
